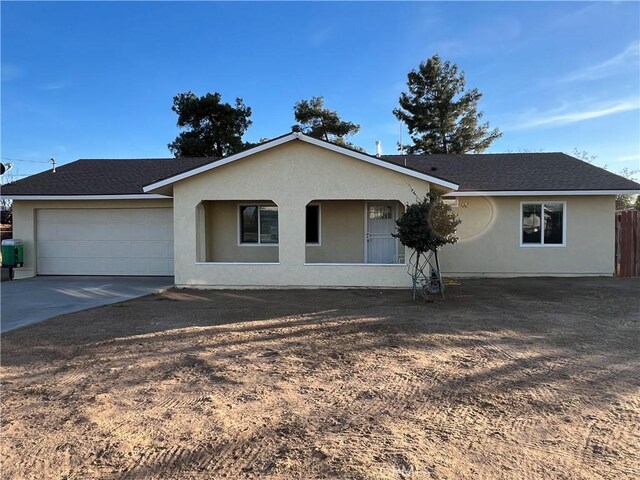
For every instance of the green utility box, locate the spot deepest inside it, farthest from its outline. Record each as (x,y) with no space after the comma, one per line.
(12,253)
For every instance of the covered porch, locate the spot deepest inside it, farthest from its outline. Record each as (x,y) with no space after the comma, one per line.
(325,242)
(347,232)
(302,214)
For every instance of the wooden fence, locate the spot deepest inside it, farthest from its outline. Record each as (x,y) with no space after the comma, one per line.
(628,243)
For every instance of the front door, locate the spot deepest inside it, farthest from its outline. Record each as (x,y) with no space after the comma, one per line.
(382,247)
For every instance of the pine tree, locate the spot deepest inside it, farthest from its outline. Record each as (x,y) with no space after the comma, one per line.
(441,116)
(213,128)
(319,122)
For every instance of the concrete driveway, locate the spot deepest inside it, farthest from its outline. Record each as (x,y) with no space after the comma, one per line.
(32,300)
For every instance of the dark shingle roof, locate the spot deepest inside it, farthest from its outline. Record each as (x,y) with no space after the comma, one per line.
(473,172)
(516,172)
(103,177)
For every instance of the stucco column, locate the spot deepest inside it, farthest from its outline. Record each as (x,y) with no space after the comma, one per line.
(201,235)
(291,225)
(185,219)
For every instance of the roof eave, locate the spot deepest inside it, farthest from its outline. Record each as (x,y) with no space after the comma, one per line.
(137,196)
(538,193)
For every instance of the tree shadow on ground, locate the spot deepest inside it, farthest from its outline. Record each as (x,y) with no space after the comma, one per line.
(553,344)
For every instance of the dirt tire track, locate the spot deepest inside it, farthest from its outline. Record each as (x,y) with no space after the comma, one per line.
(275,385)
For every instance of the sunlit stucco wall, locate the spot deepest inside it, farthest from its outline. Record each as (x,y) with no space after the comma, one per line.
(291,176)
(490,239)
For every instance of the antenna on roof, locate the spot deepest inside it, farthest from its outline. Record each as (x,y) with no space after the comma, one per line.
(53,164)
(400,145)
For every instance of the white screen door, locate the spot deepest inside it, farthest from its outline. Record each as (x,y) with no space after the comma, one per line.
(382,247)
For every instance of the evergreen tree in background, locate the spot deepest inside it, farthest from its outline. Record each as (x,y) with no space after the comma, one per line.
(317,121)
(441,116)
(212,128)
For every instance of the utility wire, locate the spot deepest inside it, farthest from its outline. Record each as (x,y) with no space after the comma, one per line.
(23,160)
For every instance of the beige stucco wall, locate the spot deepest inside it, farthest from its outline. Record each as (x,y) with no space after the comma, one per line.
(490,239)
(341,233)
(221,227)
(295,174)
(291,175)
(24,221)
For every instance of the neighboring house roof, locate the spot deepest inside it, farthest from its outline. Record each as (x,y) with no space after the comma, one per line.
(517,172)
(470,174)
(102,177)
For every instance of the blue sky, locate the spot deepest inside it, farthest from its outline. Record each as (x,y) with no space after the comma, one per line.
(96,80)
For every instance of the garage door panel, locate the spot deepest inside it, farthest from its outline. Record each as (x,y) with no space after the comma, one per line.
(118,231)
(48,231)
(68,231)
(150,232)
(120,216)
(115,249)
(56,248)
(122,267)
(65,266)
(147,233)
(104,249)
(151,249)
(105,241)
(156,267)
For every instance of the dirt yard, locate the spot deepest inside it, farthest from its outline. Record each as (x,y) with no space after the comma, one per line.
(513,379)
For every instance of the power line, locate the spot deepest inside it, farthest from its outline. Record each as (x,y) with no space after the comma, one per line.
(24,160)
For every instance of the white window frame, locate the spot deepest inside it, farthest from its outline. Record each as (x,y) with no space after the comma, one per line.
(313,204)
(564,224)
(258,243)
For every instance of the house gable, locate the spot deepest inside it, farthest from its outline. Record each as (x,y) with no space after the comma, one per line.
(295,172)
(301,138)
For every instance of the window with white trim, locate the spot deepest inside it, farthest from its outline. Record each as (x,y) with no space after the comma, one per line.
(543,224)
(259,224)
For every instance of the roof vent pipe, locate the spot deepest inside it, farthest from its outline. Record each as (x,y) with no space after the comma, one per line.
(378,148)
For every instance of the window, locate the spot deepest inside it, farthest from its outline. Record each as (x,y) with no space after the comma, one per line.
(543,224)
(380,212)
(313,225)
(259,224)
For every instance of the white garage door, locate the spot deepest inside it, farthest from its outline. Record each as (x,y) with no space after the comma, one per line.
(105,241)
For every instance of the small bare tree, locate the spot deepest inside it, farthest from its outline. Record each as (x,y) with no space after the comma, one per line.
(623,200)
(8,176)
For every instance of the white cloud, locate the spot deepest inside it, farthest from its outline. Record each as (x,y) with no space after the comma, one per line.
(560,116)
(629,57)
